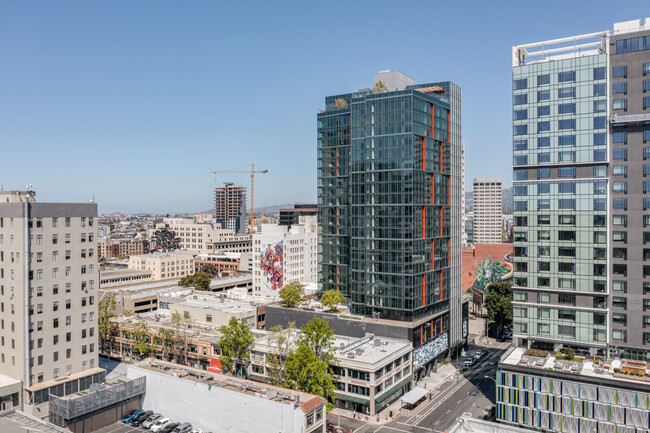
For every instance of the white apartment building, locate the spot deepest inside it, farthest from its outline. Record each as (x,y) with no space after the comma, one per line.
(283,255)
(487,211)
(163,266)
(195,237)
(370,373)
(48,297)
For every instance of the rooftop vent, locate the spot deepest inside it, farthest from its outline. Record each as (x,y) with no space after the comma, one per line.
(377,342)
(351,355)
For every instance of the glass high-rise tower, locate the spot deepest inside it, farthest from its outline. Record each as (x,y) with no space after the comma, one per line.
(581,235)
(389,203)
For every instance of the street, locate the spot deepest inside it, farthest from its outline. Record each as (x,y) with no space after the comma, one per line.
(471,393)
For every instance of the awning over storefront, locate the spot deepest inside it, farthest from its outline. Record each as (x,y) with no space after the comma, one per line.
(215,365)
(414,395)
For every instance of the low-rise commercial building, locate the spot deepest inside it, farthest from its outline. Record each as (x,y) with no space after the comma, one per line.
(122,277)
(164,266)
(538,391)
(198,237)
(224,261)
(370,372)
(236,405)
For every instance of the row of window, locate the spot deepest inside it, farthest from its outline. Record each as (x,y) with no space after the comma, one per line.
(599,73)
(562,93)
(38,222)
(621,104)
(562,125)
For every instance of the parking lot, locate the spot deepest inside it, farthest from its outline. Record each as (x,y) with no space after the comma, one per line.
(120,427)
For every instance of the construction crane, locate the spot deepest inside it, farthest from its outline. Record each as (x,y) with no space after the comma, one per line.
(252,173)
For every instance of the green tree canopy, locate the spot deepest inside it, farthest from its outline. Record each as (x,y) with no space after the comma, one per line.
(106,327)
(282,342)
(199,280)
(306,372)
(166,337)
(291,294)
(210,269)
(319,337)
(142,340)
(331,299)
(498,303)
(236,338)
(379,87)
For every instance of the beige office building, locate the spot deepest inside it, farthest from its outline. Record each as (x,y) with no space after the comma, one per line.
(487,211)
(163,266)
(203,237)
(48,297)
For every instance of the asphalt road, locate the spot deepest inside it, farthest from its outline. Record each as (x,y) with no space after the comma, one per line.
(470,392)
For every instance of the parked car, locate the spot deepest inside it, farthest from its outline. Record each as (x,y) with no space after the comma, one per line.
(196,430)
(158,425)
(183,428)
(169,427)
(129,416)
(137,420)
(151,420)
(469,362)
(478,355)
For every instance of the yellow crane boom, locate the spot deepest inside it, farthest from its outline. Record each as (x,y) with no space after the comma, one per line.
(252,173)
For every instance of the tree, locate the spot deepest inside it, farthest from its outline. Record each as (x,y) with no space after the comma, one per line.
(282,342)
(498,303)
(166,337)
(210,269)
(306,372)
(106,327)
(236,338)
(340,103)
(291,294)
(143,340)
(180,339)
(199,280)
(379,87)
(331,299)
(319,337)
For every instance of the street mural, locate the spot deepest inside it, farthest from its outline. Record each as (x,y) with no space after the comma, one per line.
(272,264)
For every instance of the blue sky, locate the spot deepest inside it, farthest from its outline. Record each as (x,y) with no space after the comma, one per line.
(137,101)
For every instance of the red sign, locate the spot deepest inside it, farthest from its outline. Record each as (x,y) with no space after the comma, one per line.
(215,365)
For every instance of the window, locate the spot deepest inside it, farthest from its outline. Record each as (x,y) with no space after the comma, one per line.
(520,114)
(619,187)
(619,88)
(543,157)
(619,220)
(543,126)
(543,251)
(543,298)
(566,251)
(567,172)
(569,108)
(646,102)
(567,92)
(619,302)
(543,110)
(566,299)
(600,155)
(521,130)
(520,145)
(600,139)
(543,173)
(619,170)
(544,235)
(619,72)
(543,203)
(521,99)
(600,122)
(543,95)
(520,296)
(566,156)
(600,171)
(566,76)
(619,253)
(566,124)
(620,154)
(619,137)
(600,106)
(566,203)
(543,219)
(566,331)
(600,89)
(543,282)
(619,203)
(543,141)
(567,219)
(543,188)
(619,334)
(619,236)
(520,84)
(520,175)
(546,79)
(619,104)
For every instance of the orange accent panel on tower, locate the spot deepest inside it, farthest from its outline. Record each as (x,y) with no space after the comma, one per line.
(424,290)
(441,285)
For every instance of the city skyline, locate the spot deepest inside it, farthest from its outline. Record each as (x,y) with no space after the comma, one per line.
(130,89)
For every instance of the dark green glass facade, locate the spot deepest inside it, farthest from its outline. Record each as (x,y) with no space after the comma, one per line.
(385,189)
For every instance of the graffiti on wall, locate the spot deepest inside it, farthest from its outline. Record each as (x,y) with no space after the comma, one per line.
(430,350)
(271,262)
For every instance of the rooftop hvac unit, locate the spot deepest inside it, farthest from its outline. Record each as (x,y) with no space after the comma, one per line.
(377,342)
(351,355)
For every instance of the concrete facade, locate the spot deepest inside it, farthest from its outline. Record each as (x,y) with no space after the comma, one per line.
(163,266)
(196,237)
(48,294)
(230,207)
(487,211)
(284,254)
(236,405)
